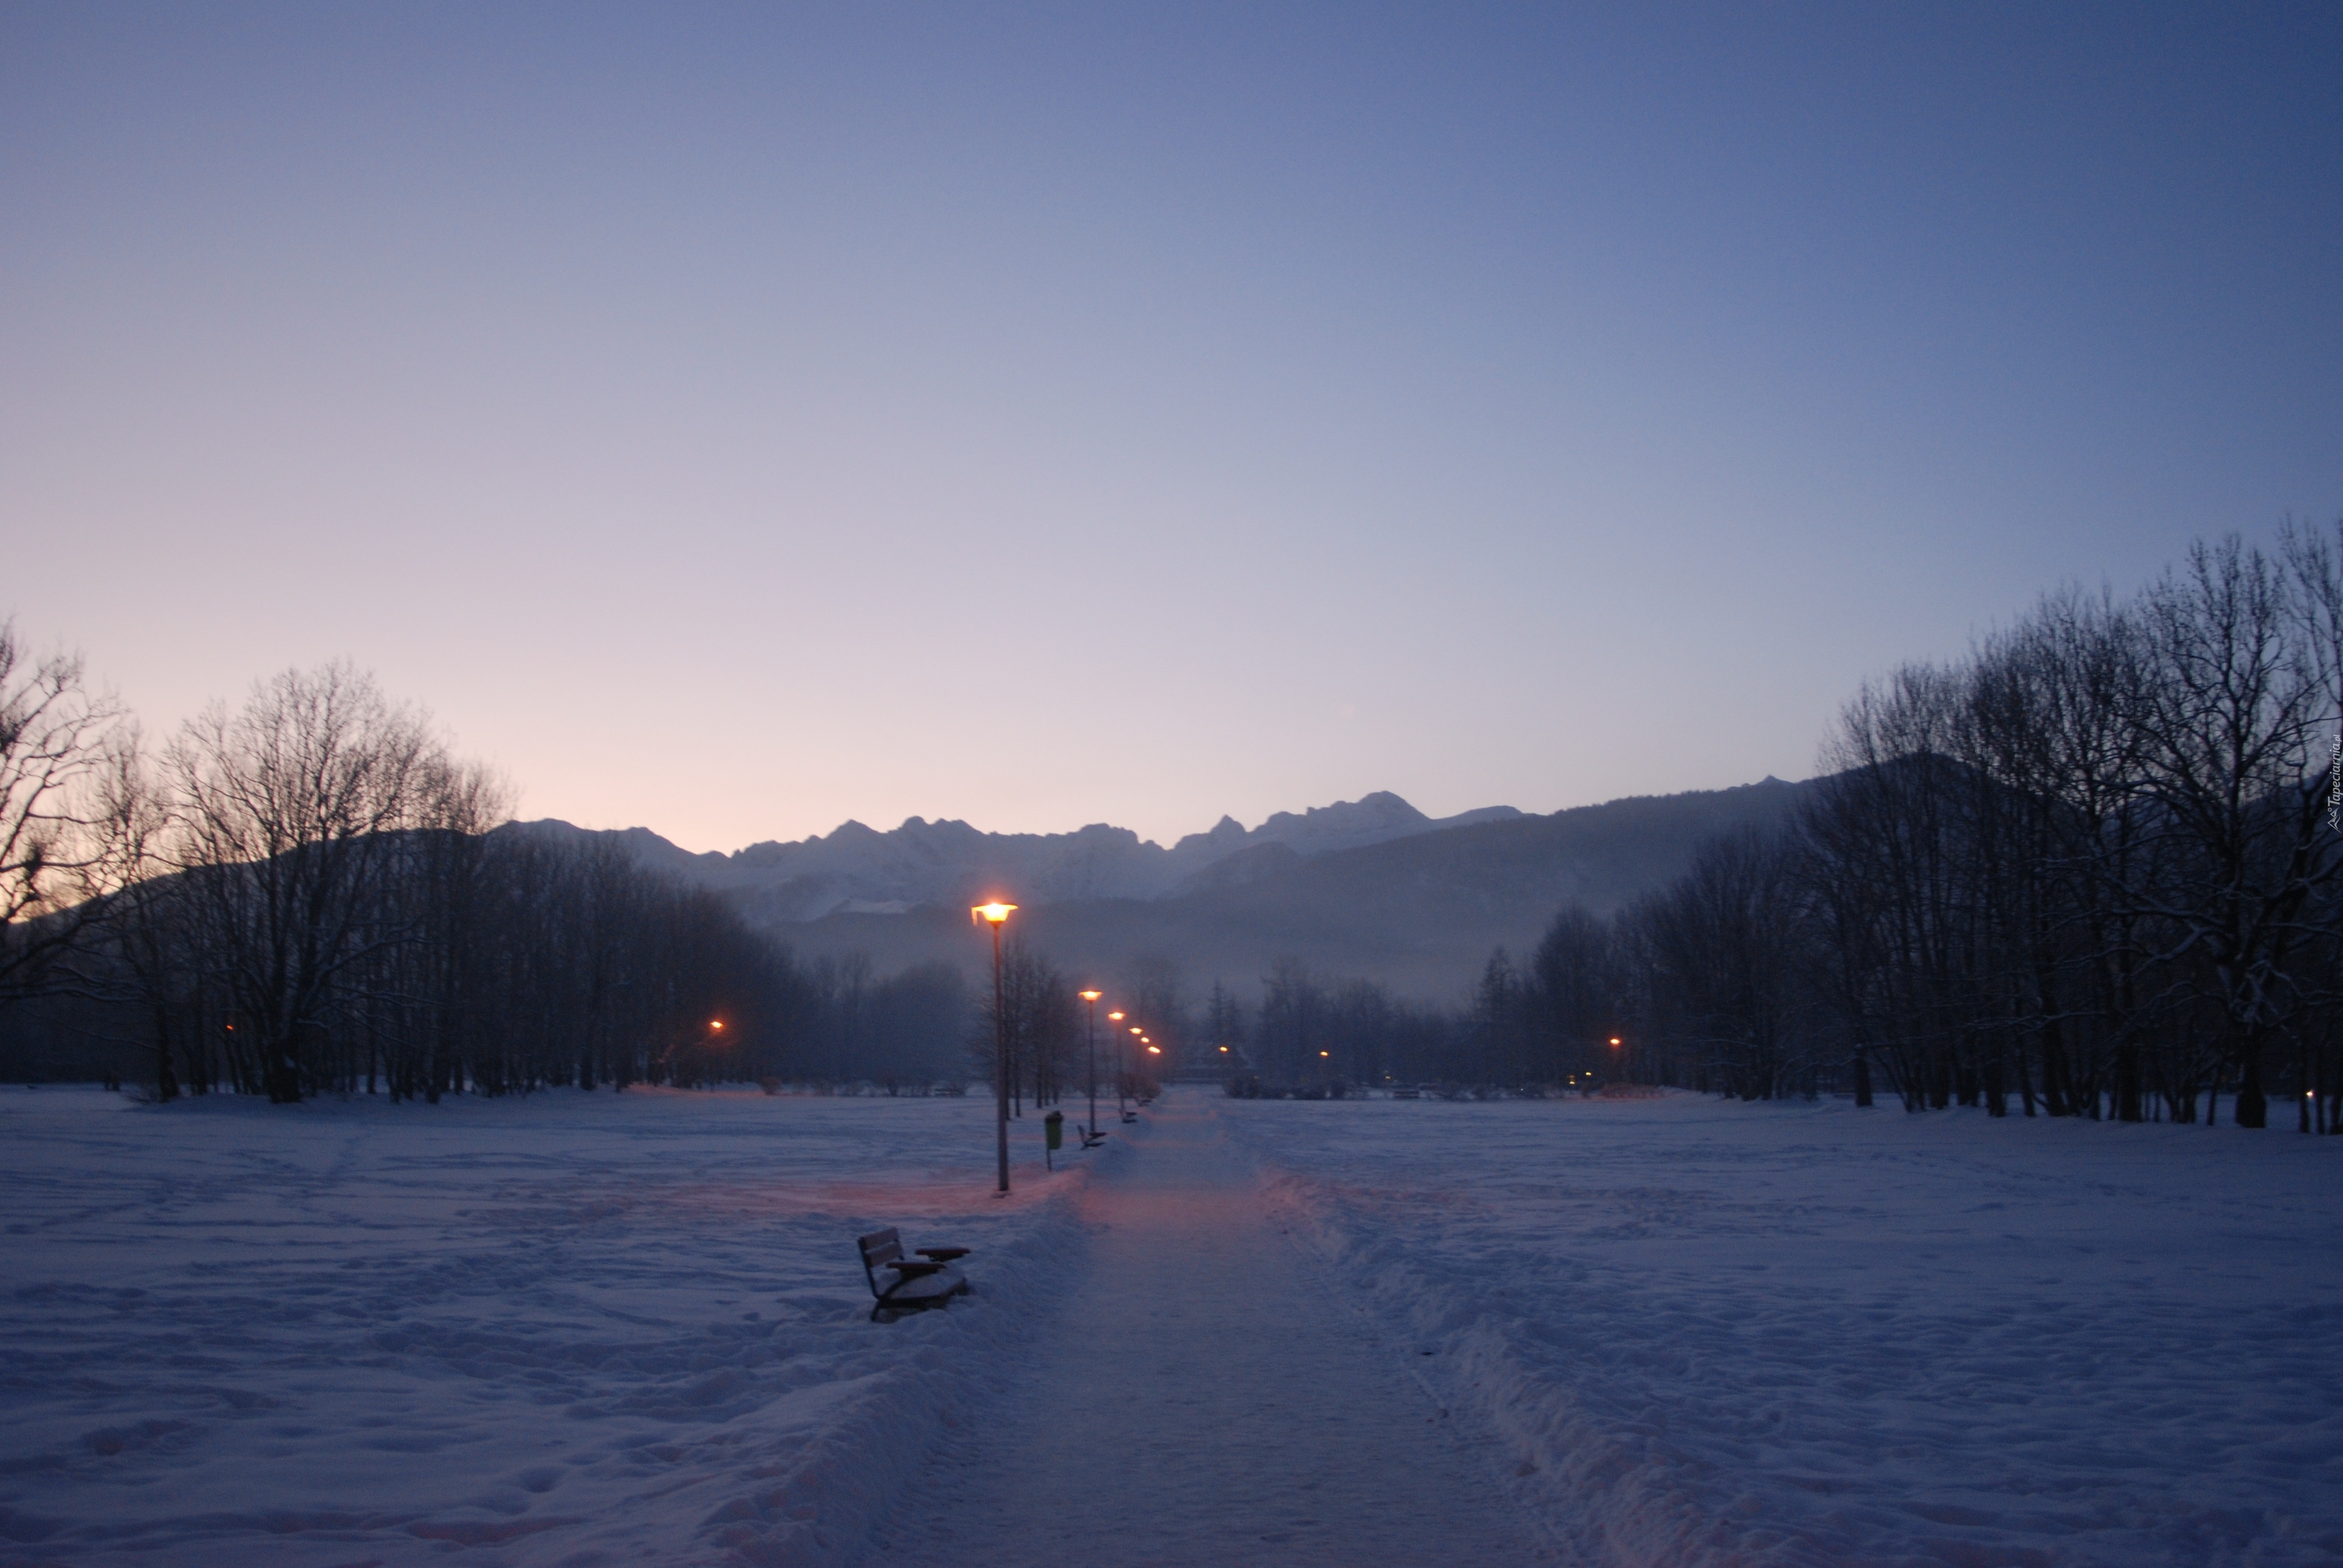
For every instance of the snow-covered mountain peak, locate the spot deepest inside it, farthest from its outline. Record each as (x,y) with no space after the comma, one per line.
(859,869)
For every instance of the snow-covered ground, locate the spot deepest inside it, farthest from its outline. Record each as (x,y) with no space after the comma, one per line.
(1717,1333)
(572,1328)
(608,1329)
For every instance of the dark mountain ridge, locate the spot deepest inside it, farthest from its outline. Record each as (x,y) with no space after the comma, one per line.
(857,870)
(1419,910)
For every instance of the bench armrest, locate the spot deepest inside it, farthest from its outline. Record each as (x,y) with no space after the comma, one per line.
(941,1253)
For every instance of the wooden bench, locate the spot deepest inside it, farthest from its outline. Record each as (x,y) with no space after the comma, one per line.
(909,1284)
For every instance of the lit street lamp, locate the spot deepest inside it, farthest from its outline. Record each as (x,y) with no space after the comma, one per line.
(1129,1070)
(1116,1017)
(996,915)
(1091,997)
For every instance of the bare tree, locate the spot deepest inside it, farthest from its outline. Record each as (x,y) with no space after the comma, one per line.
(294,815)
(1292,1022)
(2235,773)
(1724,941)
(1573,995)
(1157,997)
(56,738)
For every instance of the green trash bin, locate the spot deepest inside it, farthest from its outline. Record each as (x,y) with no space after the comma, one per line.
(1053,1137)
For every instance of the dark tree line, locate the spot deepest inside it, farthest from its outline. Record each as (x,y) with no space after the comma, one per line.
(1053,1038)
(1321,1035)
(2093,869)
(311,895)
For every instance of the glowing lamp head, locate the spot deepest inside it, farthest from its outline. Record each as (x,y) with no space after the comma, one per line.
(1136,1030)
(1615,1042)
(1114,1018)
(1154,1050)
(1092,995)
(1322,1053)
(993,913)
(717,1024)
(1224,1051)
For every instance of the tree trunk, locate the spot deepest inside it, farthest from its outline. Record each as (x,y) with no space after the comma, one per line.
(2128,1098)
(166,1083)
(2253,1105)
(284,1078)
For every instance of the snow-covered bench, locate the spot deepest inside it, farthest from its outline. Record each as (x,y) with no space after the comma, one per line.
(912,1284)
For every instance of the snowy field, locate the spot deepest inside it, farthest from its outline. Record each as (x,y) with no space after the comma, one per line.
(580,1329)
(573,1328)
(1707,1332)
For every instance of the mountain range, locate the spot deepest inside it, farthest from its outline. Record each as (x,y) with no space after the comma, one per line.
(1369,887)
(857,869)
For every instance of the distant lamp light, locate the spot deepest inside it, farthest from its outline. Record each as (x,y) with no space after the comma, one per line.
(1114,1018)
(1091,995)
(1615,1042)
(1154,1050)
(1224,1051)
(717,1024)
(1322,1053)
(993,913)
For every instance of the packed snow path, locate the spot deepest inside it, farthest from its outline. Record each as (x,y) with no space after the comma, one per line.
(1208,1396)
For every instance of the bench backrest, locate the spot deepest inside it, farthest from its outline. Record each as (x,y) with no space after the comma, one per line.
(880,1249)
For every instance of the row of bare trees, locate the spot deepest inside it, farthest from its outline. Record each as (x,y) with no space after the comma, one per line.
(311,894)
(2095,869)
(1043,1023)
(2097,864)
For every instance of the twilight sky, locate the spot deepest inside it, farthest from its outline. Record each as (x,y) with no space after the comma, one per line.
(736,419)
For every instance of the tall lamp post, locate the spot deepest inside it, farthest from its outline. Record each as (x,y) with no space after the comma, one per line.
(1123,1072)
(1116,1017)
(996,915)
(1091,997)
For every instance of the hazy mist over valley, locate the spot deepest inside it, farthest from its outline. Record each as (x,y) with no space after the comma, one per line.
(1371,885)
